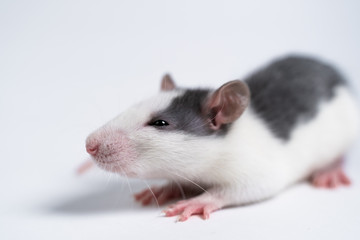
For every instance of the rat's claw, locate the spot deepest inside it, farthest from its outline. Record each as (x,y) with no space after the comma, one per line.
(209,209)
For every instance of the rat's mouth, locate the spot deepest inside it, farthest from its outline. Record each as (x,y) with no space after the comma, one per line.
(110,165)
(108,159)
(113,163)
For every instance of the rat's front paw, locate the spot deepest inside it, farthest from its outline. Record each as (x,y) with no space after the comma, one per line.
(159,195)
(195,206)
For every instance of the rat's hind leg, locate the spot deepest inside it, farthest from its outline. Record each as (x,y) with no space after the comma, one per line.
(330,177)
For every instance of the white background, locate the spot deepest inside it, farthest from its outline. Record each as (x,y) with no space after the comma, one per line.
(66,67)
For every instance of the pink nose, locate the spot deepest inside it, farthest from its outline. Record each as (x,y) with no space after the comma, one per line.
(92,148)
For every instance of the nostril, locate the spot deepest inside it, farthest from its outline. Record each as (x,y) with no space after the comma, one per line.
(92,148)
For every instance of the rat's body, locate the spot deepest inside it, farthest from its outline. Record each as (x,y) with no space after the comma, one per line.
(244,142)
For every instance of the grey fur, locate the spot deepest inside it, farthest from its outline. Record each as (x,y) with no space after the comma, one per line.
(284,93)
(186,113)
(289,91)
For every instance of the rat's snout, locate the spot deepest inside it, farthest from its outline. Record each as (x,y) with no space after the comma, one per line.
(108,145)
(94,142)
(92,146)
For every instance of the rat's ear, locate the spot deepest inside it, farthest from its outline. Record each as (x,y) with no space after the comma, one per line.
(227,103)
(167,84)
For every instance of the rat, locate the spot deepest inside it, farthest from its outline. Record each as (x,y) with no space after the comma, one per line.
(244,142)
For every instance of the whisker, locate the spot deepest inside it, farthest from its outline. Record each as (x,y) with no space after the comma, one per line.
(127,179)
(157,203)
(180,188)
(187,179)
(108,179)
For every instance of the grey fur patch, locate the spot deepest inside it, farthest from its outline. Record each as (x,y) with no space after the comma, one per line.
(185,113)
(290,90)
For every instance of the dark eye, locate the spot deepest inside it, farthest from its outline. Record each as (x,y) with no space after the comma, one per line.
(159,123)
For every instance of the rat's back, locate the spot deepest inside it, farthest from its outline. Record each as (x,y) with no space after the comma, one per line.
(290,91)
(309,115)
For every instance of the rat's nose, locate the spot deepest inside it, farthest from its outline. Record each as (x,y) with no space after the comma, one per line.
(92,148)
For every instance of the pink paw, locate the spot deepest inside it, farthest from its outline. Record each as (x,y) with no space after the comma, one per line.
(159,195)
(84,167)
(195,206)
(331,177)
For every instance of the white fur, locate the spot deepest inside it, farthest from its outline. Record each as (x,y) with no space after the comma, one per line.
(265,165)
(250,162)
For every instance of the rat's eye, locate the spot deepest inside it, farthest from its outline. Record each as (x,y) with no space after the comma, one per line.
(159,123)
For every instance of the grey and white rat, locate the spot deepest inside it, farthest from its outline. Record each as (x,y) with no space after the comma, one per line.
(241,143)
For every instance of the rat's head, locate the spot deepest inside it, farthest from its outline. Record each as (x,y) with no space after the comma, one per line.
(169,133)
